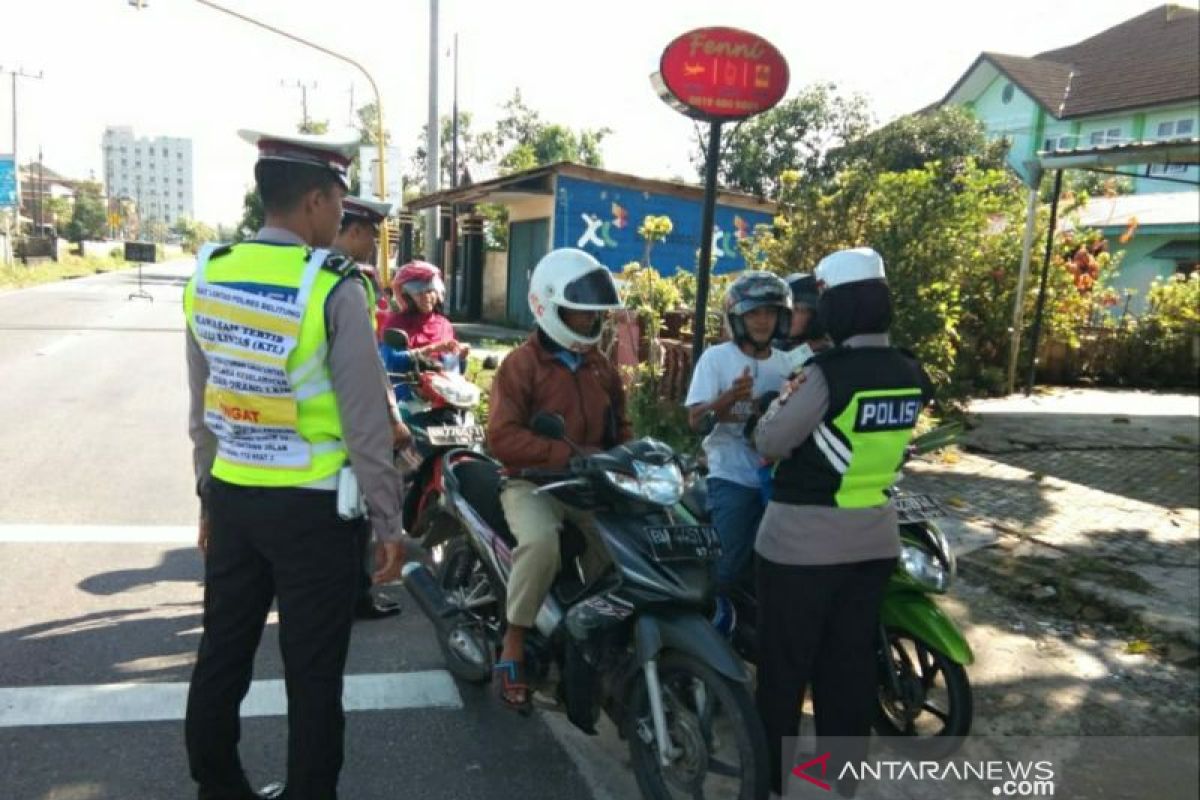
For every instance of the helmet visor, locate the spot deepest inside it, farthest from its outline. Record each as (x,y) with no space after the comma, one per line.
(595,289)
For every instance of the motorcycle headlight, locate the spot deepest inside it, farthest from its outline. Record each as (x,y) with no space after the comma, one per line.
(661,484)
(924,568)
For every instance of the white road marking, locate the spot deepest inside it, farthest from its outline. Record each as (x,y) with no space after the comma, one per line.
(120,534)
(38,706)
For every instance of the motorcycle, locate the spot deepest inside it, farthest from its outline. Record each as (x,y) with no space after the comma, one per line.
(924,692)
(633,641)
(437,403)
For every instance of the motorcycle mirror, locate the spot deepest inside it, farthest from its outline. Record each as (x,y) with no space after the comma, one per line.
(395,339)
(552,426)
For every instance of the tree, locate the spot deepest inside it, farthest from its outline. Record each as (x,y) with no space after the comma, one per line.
(193,233)
(474,149)
(948,135)
(252,216)
(526,140)
(313,126)
(795,136)
(88,220)
(58,212)
(368,125)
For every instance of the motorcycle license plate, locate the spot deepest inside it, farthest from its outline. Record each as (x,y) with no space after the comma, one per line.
(447,435)
(917,508)
(684,542)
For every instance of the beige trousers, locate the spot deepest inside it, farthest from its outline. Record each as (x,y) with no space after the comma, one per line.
(535,520)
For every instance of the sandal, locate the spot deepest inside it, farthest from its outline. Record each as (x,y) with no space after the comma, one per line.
(511,683)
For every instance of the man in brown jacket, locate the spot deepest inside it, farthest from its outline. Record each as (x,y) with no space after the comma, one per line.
(558,370)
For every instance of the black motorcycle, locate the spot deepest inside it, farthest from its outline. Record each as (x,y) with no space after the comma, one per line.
(633,641)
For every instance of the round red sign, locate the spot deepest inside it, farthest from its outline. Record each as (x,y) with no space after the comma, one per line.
(721,74)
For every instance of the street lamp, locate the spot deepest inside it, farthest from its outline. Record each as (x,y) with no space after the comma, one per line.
(381,183)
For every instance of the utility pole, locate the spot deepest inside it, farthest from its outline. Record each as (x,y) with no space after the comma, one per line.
(454,123)
(433,145)
(17,73)
(303,87)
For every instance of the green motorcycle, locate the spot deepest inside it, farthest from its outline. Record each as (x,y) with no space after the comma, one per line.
(924,692)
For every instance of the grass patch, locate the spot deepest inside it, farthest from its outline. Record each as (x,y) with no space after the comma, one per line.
(19,275)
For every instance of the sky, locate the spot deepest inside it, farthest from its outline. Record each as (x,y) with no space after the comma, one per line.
(177,68)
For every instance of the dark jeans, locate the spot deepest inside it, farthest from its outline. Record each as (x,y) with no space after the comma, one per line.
(736,511)
(264,544)
(817,626)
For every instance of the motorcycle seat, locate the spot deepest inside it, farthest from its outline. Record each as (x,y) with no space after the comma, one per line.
(695,500)
(479,483)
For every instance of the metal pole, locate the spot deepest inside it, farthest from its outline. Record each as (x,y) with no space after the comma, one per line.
(17,73)
(381,184)
(706,236)
(41,191)
(1014,351)
(454,123)
(1041,302)
(459,279)
(433,144)
(16,157)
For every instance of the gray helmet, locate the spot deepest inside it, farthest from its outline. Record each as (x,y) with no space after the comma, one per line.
(756,289)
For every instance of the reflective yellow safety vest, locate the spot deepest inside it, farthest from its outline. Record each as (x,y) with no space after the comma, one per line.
(258,311)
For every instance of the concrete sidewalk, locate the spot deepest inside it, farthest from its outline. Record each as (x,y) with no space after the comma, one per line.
(1091,499)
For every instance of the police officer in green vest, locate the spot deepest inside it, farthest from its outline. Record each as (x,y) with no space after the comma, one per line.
(289,417)
(829,539)
(357,238)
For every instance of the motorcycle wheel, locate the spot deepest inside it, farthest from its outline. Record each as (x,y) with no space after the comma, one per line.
(710,719)
(934,710)
(466,643)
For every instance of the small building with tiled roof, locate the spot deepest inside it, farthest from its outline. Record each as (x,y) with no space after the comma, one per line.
(1131,84)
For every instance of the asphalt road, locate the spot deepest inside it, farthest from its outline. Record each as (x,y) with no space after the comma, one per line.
(100,592)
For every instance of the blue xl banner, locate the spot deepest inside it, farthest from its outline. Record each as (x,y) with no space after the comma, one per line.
(603,219)
(8,182)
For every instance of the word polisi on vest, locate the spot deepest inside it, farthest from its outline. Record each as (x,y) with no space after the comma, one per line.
(887,413)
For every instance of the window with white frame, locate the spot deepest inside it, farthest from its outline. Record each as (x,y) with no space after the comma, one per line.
(1110,136)
(1057,143)
(1175,129)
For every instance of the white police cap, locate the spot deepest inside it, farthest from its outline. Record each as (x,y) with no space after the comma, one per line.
(332,151)
(850,266)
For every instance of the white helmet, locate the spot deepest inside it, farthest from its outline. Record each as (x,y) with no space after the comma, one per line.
(571,279)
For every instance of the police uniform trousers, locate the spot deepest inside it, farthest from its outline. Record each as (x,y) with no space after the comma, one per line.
(817,627)
(264,544)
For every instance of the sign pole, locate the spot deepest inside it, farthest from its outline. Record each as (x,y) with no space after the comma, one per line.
(704,266)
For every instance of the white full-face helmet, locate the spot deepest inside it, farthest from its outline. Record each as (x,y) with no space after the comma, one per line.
(570,279)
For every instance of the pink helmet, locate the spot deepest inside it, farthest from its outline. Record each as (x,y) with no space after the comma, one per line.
(415,277)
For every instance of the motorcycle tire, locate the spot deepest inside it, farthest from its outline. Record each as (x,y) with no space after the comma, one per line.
(894,717)
(458,564)
(687,730)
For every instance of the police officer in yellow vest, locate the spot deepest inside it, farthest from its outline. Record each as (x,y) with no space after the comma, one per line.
(287,391)
(357,238)
(829,539)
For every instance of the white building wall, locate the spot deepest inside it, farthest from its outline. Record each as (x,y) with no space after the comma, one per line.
(155,172)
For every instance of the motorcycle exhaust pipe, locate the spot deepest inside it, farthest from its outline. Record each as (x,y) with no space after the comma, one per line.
(420,583)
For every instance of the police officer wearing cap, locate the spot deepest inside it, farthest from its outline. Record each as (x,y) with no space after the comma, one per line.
(357,238)
(287,392)
(829,539)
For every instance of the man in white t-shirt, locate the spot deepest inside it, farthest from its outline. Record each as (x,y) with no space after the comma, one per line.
(725,383)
